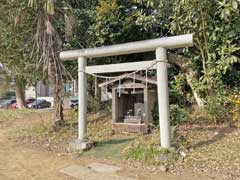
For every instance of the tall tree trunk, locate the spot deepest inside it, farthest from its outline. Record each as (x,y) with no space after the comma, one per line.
(20,93)
(36,90)
(190,75)
(57,86)
(47,46)
(58,107)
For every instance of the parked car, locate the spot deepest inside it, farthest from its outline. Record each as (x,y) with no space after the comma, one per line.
(28,101)
(14,105)
(7,103)
(39,104)
(74,102)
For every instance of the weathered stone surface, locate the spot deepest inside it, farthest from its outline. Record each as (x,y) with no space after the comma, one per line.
(86,173)
(77,145)
(78,172)
(99,167)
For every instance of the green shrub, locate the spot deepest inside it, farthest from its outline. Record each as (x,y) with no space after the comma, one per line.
(177,115)
(147,149)
(236,106)
(218,108)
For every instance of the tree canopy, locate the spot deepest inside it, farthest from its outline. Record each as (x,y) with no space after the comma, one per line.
(210,67)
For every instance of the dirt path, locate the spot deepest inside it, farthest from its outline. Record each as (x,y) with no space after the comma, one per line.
(23,162)
(18,162)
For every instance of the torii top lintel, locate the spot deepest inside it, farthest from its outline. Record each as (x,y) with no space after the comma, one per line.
(172,42)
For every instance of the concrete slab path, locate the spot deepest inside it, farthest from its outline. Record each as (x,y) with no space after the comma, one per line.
(87,173)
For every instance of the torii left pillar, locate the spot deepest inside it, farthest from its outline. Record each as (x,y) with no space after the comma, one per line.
(82,100)
(82,142)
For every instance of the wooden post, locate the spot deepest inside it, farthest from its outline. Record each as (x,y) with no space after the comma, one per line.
(75,87)
(114,106)
(96,88)
(146,108)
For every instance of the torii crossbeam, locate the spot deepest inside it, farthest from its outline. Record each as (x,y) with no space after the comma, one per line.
(159,45)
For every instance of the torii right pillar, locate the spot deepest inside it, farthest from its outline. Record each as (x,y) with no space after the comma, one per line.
(163,97)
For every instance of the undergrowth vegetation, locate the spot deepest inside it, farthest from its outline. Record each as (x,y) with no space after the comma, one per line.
(11,115)
(236,106)
(223,109)
(146,149)
(40,132)
(177,115)
(193,139)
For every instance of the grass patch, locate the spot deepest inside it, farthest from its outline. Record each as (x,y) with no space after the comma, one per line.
(146,149)
(39,130)
(11,115)
(209,147)
(109,149)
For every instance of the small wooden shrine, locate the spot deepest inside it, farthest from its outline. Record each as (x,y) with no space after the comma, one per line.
(133,98)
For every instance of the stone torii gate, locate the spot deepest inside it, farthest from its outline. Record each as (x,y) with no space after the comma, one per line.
(159,45)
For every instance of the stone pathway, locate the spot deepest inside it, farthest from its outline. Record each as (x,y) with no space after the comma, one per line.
(94,171)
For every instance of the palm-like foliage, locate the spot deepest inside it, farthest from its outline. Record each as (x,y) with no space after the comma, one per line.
(47,45)
(31,30)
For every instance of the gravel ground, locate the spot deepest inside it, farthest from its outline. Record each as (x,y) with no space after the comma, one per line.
(212,149)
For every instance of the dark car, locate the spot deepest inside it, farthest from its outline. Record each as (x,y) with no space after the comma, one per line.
(30,100)
(40,104)
(7,103)
(74,102)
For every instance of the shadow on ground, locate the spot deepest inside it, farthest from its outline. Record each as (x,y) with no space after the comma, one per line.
(220,134)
